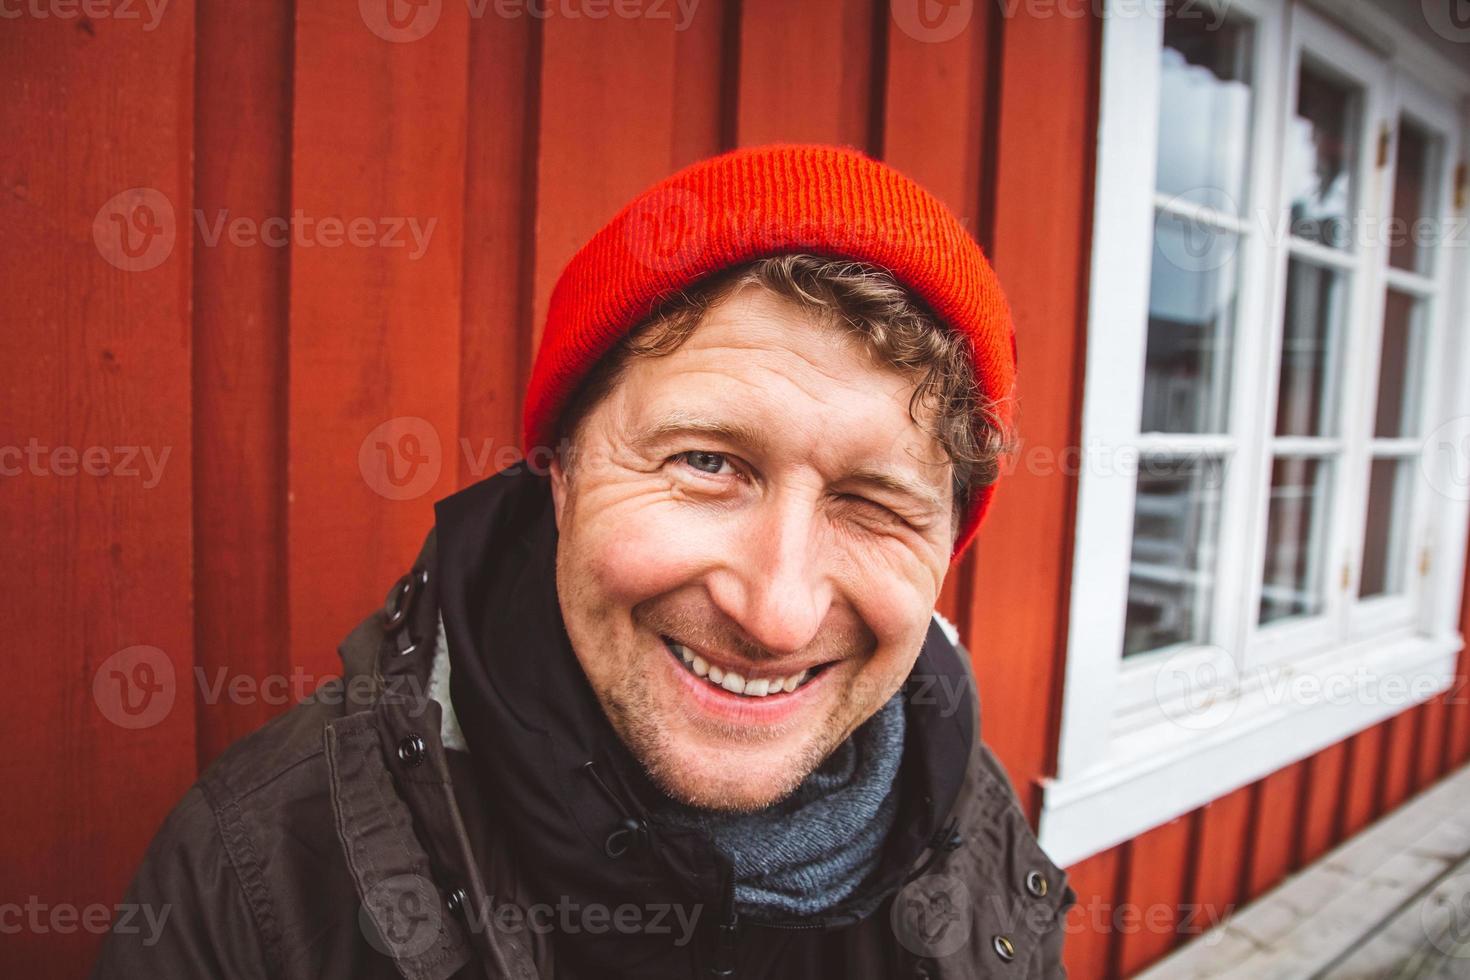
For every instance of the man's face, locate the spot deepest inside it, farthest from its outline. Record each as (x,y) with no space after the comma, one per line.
(757,507)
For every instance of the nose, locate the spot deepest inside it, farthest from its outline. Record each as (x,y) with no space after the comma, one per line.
(775,584)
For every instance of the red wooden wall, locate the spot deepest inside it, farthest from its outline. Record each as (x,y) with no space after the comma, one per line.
(266,372)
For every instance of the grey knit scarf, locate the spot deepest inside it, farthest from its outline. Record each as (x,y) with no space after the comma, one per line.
(808,852)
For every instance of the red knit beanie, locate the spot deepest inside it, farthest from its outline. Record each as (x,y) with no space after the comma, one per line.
(758,202)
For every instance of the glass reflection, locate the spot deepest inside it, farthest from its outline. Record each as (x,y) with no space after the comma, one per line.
(1321,148)
(1176,530)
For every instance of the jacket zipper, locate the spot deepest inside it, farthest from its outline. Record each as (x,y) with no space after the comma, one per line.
(728,931)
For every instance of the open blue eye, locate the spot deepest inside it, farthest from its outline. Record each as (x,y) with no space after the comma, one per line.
(705,461)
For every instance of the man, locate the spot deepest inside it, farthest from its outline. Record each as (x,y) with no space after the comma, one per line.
(672,701)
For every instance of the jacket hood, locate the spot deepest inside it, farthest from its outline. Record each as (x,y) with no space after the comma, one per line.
(571,795)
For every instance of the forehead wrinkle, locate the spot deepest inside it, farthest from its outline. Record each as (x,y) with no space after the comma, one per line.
(828,372)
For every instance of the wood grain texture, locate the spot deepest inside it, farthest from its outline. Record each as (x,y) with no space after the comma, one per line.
(241,173)
(95,352)
(1429,744)
(1360,798)
(1398,761)
(1322,785)
(501,143)
(1275,831)
(1154,890)
(807,72)
(1457,725)
(1042,193)
(603,139)
(1219,876)
(1091,942)
(378,137)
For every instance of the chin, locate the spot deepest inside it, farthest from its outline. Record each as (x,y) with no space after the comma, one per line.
(735,781)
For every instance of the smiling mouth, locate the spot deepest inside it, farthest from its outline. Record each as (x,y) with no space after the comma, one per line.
(735,683)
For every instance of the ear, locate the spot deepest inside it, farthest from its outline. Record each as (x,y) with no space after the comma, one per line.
(558,475)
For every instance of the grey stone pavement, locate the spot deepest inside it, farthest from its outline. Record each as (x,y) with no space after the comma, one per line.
(1391,903)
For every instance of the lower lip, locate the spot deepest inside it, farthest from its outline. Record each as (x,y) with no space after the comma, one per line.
(725,706)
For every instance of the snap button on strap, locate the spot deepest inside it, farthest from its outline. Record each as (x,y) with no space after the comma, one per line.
(405,591)
(456,900)
(411,750)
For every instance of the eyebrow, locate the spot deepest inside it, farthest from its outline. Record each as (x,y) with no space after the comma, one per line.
(681,423)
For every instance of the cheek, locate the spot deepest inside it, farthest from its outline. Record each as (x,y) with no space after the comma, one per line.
(635,553)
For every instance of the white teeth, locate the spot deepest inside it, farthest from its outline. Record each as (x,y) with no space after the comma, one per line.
(733,682)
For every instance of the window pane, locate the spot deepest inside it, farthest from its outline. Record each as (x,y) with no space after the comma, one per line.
(1191,313)
(1385,538)
(1307,395)
(1414,202)
(1296,530)
(1321,148)
(1399,366)
(1204,109)
(1176,524)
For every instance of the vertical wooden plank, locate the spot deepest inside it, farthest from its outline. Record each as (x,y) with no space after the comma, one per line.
(1457,725)
(95,481)
(1275,828)
(1321,807)
(1457,718)
(1429,743)
(605,129)
(807,72)
(1365,754)
(241,174)
(1091,941)
(1398,761)
(378,145)
(942,76)
(499,240)
(1218,877)
(1022,557)
(1154,887)
(706,59)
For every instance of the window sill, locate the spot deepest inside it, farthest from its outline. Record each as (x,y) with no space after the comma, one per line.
(1166,768)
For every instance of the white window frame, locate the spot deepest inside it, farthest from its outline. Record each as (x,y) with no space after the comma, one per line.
(1128,758)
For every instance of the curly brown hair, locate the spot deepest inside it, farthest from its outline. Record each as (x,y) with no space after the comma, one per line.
(895,327)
